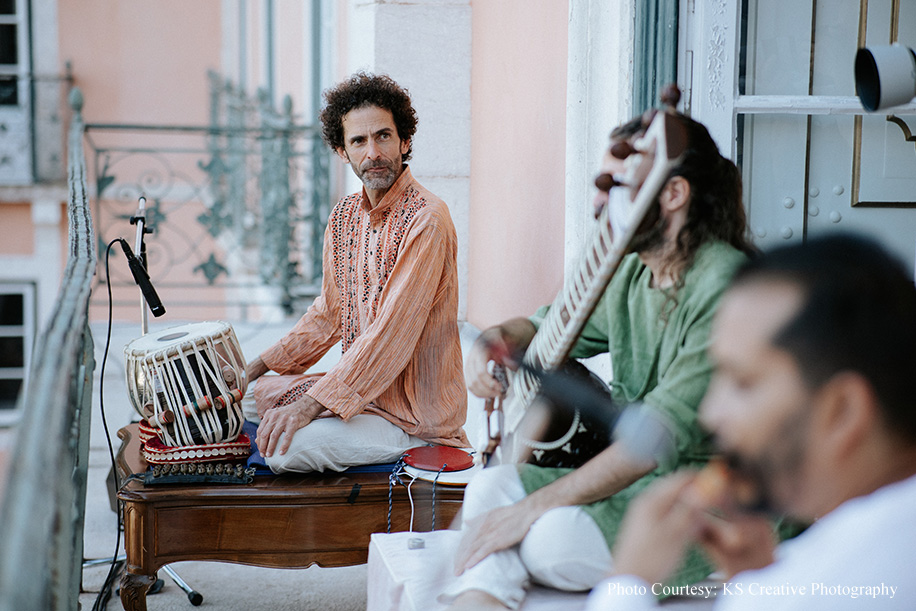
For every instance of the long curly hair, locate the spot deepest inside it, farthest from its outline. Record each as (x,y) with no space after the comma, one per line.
(716,211)
(364,89)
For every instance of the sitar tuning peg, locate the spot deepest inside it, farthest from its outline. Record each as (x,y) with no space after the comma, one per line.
(605,182)
(671,95)
(622,149)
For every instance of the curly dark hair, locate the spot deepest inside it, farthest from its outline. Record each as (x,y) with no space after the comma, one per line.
(716,211)
(364,89)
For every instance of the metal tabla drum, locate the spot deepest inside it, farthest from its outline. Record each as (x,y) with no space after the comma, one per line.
(188,382)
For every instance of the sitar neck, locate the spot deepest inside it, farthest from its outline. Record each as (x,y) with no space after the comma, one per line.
(647,173)
(572,308)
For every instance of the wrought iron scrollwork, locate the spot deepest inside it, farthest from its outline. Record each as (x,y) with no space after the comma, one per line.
(240,205)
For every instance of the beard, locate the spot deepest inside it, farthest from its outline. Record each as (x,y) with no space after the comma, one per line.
(760,482)
(378,180)
(650,236)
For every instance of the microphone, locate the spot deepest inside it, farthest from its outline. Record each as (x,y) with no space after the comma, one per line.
(141,277)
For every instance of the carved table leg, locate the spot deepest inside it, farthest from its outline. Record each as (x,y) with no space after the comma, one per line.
(133,590)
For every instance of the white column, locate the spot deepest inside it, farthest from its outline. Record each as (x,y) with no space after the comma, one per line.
(599,87)
(425,47)
(599,83)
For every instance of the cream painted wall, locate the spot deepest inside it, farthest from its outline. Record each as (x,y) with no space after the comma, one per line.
(425,47)
(518,144)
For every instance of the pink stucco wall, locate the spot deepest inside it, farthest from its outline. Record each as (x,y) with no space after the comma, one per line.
(141,62)
(518,115)
(16,231)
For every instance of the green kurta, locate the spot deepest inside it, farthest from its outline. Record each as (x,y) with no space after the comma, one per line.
(659,360)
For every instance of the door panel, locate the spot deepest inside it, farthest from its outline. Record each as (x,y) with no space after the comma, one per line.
(809,175)
(778,48)
(774,177)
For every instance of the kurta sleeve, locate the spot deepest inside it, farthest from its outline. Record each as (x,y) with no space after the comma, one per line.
(378,356)
(316,331)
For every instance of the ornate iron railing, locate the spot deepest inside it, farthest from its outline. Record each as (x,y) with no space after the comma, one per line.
(238,207)
(44,503)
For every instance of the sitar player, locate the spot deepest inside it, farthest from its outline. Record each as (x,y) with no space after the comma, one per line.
(555,526)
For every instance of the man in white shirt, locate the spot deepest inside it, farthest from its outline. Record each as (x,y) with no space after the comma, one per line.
(812,406)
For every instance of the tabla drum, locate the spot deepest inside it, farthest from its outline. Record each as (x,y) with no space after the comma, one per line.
(188,382)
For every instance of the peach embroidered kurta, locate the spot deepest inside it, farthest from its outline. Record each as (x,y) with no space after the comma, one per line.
(390,296)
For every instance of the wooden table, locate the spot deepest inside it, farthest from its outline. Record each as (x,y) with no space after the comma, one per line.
(279,521)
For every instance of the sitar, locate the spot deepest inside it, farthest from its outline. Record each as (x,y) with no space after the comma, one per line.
(647,168)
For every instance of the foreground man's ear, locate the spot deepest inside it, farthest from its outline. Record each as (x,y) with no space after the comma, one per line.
(848,411)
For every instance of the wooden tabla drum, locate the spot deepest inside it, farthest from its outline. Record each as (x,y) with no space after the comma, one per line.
(188,382)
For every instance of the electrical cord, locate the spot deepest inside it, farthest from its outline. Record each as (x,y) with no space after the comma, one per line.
(410,498)
(395,478)
(101,601)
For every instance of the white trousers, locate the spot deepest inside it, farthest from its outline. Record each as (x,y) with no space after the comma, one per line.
(563,549)
(330,444)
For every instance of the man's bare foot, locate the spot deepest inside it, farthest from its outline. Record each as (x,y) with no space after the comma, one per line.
(474,600)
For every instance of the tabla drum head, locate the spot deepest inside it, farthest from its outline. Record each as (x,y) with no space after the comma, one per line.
(158,341)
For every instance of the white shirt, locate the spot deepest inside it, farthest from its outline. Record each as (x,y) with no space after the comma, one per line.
(862,555)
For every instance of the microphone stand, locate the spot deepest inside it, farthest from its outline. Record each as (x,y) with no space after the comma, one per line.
(139,220)
(118,560)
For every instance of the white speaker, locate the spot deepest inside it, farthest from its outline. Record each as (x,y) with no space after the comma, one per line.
(885,76)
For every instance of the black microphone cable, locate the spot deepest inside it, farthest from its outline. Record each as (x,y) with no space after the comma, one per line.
(101,601)
(141,277)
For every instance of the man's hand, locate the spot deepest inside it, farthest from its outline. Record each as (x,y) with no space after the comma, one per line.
(656,530)
(286,419)
(741,542)
(502,344)
(493,531)
(670,514)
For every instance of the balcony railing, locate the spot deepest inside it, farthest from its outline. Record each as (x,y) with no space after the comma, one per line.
(44,502)
(238,207)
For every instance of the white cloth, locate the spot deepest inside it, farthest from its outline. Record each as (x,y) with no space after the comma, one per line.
(408,577)
(330,444)
(249,409)
(563,549)
(861,555)
(334,445)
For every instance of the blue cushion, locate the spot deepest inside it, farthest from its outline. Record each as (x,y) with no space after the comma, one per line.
(261,468)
